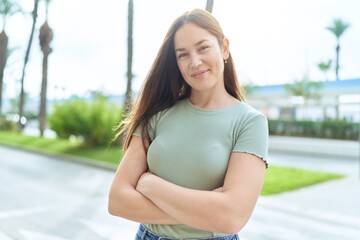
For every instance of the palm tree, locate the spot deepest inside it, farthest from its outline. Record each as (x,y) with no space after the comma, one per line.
(325,67)
(7,8)
(128,94)
(338,28)
(304,89)
(3,58)
(45,37)
(22,92)
(209,5)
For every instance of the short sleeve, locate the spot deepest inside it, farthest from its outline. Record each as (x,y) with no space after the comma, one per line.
(137,131)
(253,137)
(151,126)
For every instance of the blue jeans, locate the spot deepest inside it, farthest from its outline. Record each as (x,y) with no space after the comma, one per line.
(144,234)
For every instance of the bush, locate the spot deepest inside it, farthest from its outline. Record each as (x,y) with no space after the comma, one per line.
(7,125)
(94,121)
(329,128)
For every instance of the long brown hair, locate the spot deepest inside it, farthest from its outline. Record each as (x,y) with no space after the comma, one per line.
(164,84)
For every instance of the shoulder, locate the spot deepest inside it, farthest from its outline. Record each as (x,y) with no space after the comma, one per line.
(168,111)
(248,113)
(250,122)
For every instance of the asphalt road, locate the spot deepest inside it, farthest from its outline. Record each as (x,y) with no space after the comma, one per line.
(45,198)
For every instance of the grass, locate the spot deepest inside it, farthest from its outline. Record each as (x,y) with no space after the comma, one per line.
(277,180)
(284,179)
(111,154)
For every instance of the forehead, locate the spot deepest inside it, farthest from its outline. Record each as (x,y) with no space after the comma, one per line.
(190,34)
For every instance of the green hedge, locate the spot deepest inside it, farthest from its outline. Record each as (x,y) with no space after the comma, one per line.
(334,129)
(94,121)
(7,125)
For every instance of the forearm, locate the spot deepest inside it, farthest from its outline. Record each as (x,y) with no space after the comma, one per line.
(206,210)
(132,205)
(124,200)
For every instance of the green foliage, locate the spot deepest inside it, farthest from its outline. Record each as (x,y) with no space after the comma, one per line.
(304,87)
(340,129)
(329,128)
(7,9)
(249,89)
(110,155)
(338,27)
(94,121)
(283,179)
(63,147)
(7,125)
(48,145)
(325,66)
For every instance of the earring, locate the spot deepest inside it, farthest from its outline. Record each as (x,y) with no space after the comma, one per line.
(225,61)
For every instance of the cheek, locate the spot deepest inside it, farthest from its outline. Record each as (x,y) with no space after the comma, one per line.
(221,63)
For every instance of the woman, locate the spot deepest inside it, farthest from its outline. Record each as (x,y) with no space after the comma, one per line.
(194,159)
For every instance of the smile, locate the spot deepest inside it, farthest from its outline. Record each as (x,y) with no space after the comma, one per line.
(199,74)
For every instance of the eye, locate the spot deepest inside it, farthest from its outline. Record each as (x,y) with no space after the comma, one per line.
(203,48)
(182,55)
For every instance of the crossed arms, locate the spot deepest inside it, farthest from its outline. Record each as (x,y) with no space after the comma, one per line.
(140,196)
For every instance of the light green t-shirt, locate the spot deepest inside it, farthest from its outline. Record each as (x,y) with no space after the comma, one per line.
(191,147)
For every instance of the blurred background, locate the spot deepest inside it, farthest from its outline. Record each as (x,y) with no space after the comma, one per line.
(296,60)
(68,68)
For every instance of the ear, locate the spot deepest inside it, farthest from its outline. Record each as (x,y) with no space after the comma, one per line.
(225,48)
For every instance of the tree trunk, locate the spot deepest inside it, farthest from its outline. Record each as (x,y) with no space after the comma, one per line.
(22,91)
(209,5)
(3,58)
(337,62)
(128,94)
(43,93)
(46,36)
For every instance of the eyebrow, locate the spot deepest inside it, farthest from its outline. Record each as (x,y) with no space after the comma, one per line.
(196,44)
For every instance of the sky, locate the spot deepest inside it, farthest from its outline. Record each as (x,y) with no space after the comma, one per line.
(272,42)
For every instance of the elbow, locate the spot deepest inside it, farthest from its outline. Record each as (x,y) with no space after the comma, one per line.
(111,207)
(114,206)
(232,227)
(233,222)
(235,227)
(234,218)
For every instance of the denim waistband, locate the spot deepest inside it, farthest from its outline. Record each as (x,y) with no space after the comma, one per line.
(145,234)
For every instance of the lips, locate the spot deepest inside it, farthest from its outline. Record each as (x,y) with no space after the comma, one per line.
(199,74)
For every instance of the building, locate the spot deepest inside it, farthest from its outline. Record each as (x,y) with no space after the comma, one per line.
(337,99)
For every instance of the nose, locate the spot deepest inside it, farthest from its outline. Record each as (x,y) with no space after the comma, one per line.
(196,60)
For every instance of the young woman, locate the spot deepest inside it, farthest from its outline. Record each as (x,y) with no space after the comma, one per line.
(195,153)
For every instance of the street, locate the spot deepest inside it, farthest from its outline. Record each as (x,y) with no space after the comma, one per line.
(46,198)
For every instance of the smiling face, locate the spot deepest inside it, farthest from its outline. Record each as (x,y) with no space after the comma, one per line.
(200,58)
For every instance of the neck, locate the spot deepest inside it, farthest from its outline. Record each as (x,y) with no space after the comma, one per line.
(212,101)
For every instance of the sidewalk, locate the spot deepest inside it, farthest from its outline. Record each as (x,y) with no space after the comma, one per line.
(327,147)
(325,211)
(329,210)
